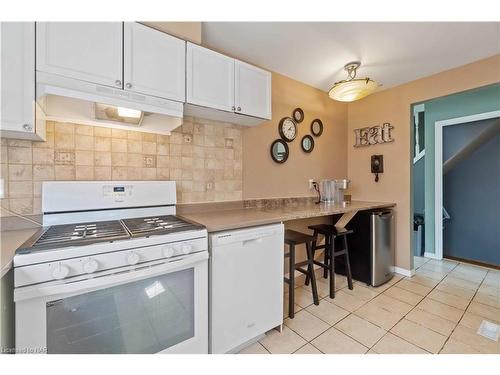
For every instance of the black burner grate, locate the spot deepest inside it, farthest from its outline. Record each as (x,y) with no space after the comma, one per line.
(145,226)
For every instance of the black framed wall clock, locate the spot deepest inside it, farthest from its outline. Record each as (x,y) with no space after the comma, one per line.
(287,129)
(298,115)
(317,127)
(279,151)
(307,143)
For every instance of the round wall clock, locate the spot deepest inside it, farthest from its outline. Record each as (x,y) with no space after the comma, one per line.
(316,127)
(298,115)
(287,129)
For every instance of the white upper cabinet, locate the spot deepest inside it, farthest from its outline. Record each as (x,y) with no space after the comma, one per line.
(88,51)
(17,81)
(252,90)
(154,63)
(210,78)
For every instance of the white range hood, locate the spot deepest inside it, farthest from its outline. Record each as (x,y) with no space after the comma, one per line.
(71,100)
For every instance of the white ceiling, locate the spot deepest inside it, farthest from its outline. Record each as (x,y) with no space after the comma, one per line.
(391,53)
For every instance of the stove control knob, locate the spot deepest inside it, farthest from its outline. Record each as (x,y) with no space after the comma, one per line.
(90,266)
(132,258)
(60,271)
(186,248)
(168,251)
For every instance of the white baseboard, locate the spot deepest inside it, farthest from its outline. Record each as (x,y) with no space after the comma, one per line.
(404,271)
(431,255)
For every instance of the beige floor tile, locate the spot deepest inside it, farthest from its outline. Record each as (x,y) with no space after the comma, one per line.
(308,349)
(470,337)
(434,275)
(492,279)
(424,280)
(456,291)
(488,296)
(473,321)
(431,321)
(361,330)
(449,299)
(391,344)
(440,309)
(255,348)
(413,287)
(323,288)
(461,283)
(419,261)
(347,301)
(335,342)
(362,292)
(453,346)
(285,342)
(392,304)
(403,295)
(439,265)
(307,325)
(467,275)
(485,311)
(419,335)
(379,316)
(328,311)
(303,297)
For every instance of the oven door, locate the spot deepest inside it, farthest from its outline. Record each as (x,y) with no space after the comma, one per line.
(160,307)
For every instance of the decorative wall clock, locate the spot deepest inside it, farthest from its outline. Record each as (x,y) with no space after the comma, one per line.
(317,127)
(287,129)
(298,115)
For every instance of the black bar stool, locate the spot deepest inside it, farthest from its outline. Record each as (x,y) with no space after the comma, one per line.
(331,233)
(293,238)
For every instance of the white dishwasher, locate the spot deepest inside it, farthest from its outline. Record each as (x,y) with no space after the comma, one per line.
(246,285)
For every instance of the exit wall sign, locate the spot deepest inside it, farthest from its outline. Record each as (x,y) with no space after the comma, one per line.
(373,135)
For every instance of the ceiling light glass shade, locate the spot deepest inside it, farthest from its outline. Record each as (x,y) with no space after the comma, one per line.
(351,90)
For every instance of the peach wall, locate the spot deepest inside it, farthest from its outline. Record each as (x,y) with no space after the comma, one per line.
(262,177)
(185,30)
(393,105)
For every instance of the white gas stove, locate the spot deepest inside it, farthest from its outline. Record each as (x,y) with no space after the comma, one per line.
(113,270)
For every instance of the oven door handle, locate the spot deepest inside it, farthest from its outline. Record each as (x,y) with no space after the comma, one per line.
(79,286)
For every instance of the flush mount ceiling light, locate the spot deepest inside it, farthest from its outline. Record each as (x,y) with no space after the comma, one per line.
(352,88)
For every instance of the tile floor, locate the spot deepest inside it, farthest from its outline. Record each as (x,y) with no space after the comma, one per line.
(437,311)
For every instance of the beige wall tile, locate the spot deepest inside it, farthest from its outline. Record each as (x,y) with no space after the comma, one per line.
(84,172)
(119,133)
(4,158)
(134,160)
(64,140)
(84,130)
(162,149)
(84,157)
(134,135)
(148,147)
(102,158)
(134,173)
(119,173)
(84,142)
(18,143)
(20,172)
(102,132)
(20,155)
(43,156)
(119,159)
(23,206)
(102,173)
(162,139)
(118,145)
(148,137)
(64,127)
(20,189)
(43,173)
(162,173)
(102,144)
(134,146)
(148,173)
(65,172)
(64,157)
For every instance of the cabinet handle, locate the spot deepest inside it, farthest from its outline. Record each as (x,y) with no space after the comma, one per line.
(118,82)
(239,109)
(27,127)
(233,108)
(128,85)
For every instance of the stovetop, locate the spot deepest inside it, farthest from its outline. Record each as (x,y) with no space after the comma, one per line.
(79,234)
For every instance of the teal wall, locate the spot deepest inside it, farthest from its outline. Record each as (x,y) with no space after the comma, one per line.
(480,100)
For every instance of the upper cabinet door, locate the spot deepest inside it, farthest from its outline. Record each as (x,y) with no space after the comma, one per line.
(17,76)
(88,51)
(252,90)
(154,62)
(210,78)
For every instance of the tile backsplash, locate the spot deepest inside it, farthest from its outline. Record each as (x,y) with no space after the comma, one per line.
(203,157)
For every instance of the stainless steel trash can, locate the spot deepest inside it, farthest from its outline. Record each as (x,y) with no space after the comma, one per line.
(382,246)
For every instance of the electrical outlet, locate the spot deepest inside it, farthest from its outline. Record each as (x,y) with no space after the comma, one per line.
(311,184)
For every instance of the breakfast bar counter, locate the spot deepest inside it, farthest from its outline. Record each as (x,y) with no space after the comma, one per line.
(235,218)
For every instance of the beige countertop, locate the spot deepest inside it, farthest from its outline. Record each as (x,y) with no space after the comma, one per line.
(9,242)
(219,220)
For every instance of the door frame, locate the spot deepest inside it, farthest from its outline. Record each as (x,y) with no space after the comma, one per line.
(438,174)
